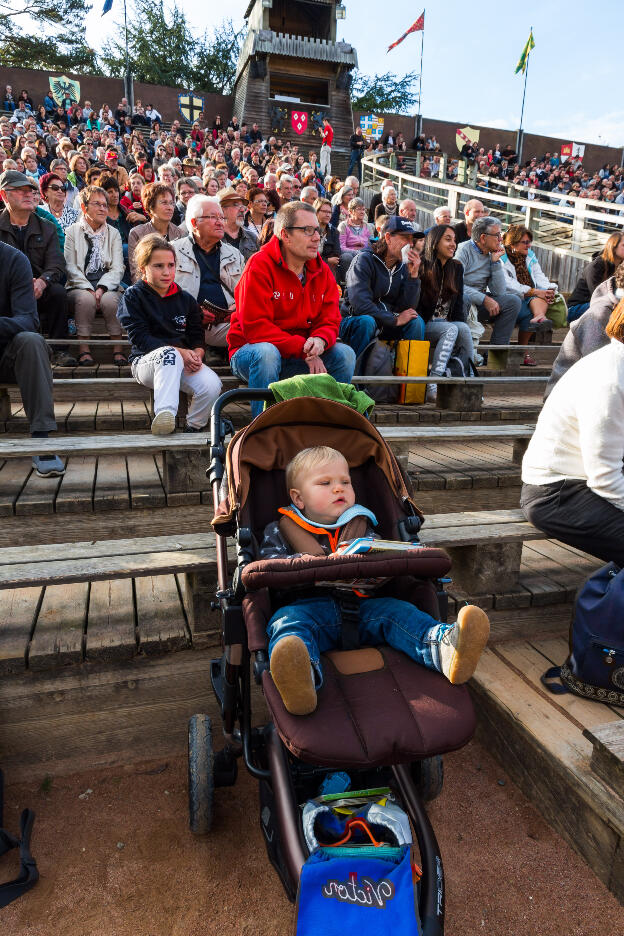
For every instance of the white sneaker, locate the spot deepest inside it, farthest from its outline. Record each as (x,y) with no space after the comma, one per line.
(462,645)
(163,423)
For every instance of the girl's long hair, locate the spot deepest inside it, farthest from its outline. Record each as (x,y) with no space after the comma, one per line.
(437,281)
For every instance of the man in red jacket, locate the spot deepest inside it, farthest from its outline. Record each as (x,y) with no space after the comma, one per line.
(287,318)
(328,139)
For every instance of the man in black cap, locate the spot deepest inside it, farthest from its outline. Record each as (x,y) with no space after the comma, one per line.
(21,228)
(383,288)
(23,352)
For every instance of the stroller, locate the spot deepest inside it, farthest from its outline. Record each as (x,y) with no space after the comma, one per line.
(380,716)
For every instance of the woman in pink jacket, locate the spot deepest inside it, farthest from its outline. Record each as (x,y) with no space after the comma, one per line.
(355,232)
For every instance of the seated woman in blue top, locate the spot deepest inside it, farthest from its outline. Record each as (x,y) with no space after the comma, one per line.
(383,289)
(164,324)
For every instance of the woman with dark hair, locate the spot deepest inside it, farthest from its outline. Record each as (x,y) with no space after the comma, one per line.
(266,233)
(441,304)
(78,166)
(52,189)
(41,117)
(601,268)
(217,127)
(329,246)
(257,210)
(159,204)
(145,169)
(25,96)
(573,485)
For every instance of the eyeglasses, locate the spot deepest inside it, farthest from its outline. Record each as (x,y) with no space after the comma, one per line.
(497,236)
(525,241)
(56,188)
(308,229)
(210,218)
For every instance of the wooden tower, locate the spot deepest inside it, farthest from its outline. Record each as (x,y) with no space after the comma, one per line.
(291,71)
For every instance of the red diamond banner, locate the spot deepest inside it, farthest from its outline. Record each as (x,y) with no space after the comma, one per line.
(299,121)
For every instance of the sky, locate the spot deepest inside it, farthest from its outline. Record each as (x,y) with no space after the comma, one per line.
(470,54)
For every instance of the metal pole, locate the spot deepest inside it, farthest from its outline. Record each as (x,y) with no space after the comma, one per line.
(519,141)
(128,87)
(419,117)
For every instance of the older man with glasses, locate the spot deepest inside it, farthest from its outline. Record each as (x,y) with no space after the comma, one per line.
(287,318)
(207,267)
(485,283)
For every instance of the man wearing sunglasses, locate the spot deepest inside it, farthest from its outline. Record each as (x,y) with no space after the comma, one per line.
(287,318)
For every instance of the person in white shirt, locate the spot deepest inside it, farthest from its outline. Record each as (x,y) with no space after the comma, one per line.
(572,476)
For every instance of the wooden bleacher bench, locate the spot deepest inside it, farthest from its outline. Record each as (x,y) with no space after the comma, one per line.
(185,455)
(192,556)
(485,546)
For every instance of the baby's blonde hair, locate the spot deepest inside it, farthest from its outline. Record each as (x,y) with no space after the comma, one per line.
(308,459)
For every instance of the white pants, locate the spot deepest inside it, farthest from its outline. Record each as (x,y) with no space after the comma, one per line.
(163,370)
(325,164)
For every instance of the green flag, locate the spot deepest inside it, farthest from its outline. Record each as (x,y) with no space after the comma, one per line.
(524,58)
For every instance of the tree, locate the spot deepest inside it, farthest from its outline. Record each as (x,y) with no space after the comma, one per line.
(163,50)
(46,34)
(383,93)
(217,58)
(160,46)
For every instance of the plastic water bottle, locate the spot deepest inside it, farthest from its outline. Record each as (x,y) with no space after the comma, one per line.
(71,327)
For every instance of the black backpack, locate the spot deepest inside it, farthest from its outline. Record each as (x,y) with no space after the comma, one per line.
(28,875)
(455,367)
(377,360)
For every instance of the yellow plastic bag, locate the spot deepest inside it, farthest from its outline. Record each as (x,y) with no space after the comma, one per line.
(412,359)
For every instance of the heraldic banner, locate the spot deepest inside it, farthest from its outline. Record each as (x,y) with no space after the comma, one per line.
(466,135)
(63,87)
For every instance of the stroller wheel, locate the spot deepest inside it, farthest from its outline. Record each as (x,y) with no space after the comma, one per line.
(200,774)
(428,777)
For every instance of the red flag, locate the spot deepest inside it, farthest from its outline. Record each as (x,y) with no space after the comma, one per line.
(415,27)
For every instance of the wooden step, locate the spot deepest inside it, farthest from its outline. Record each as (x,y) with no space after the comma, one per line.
(607,759)
(540,741)
(108,712)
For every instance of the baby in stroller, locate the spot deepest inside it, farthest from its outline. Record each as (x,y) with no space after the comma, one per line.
(322,514)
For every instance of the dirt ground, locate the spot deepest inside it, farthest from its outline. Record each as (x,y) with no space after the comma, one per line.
(116,859)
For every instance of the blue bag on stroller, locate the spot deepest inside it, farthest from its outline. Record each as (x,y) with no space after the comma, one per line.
(350,891)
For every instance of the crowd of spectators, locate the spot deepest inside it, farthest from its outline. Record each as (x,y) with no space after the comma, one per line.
(281,267)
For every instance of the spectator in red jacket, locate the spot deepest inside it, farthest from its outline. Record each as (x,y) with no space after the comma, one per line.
(328,139)
(287,318)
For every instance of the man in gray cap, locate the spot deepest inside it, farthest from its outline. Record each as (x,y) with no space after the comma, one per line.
(24,354)
(21,228)
(383,288)
(234,207)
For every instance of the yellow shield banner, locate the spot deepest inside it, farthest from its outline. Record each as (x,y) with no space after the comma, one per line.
(63,87)
(190,106)
(466,135)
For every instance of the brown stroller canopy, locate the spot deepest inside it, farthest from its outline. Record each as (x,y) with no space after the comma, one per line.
(274,438)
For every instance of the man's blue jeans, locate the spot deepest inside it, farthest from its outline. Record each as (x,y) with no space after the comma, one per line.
(261,364)
(359,330)
(355,164)
(382,620)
